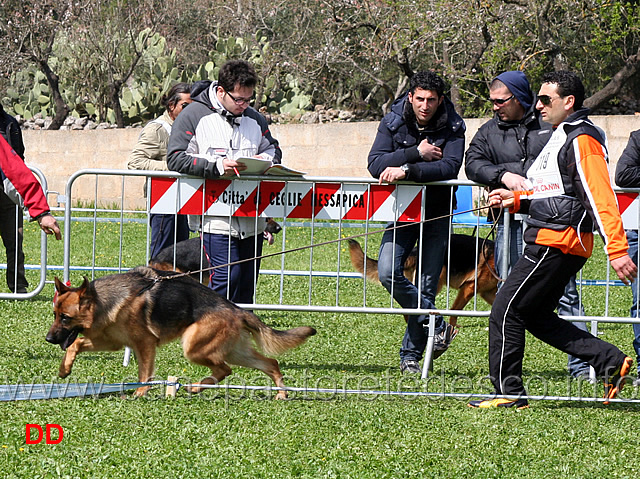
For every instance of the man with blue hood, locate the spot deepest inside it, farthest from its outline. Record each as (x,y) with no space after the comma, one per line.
(499,156)
(420,140)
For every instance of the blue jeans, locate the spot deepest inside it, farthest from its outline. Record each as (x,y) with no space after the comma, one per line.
(238,282)
(163,231)
(569,304)
(395,248)
(515,245)
(632,239)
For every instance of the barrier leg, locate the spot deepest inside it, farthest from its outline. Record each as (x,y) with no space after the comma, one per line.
(428,352)
(592,372)
(127,356)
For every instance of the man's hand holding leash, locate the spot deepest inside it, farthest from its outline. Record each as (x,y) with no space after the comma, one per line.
(502,198)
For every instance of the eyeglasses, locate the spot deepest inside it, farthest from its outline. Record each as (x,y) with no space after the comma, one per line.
(240,101)
(500,101)
(183,105)
(546,100)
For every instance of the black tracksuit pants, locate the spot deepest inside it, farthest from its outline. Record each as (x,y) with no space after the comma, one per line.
(11,232)
(527,301)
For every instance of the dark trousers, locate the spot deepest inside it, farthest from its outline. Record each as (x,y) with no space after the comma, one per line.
(163,231)
(527,301)
(238,281)
(11,223)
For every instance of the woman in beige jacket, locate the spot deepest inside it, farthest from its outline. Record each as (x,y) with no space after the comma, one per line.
(150,153)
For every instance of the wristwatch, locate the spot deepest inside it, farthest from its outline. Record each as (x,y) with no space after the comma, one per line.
(405,168)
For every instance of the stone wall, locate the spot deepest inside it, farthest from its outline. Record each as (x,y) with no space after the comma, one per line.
(331,149)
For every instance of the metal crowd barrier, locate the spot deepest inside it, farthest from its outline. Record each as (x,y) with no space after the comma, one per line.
(42,266)
(326,208)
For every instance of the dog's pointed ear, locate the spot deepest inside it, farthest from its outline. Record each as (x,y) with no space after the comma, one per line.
(85,283)
(61,288)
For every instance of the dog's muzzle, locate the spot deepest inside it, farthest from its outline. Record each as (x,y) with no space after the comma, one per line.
(64,340)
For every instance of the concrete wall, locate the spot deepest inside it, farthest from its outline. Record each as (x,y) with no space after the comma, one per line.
(331,149)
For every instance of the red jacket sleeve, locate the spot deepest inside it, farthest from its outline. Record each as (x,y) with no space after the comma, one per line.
(19,183)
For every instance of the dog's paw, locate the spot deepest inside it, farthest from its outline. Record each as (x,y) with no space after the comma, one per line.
(193,389)
(141,391)
(281,395)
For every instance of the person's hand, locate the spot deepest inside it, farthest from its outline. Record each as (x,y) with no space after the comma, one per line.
(429,152)
(625,268)
(49,225)
(392,174)
(501,197)
(232,167)
(513,181)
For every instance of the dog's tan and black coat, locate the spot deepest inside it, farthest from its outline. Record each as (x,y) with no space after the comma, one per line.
(146,308)
(470,269)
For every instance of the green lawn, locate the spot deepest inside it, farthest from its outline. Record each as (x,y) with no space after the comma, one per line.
(245,434)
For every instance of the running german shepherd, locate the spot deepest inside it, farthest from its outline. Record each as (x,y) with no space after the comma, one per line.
(145,308)
(190,255)
(462,271)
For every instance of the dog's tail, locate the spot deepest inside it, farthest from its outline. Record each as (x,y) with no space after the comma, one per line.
(358,260)
(272,341)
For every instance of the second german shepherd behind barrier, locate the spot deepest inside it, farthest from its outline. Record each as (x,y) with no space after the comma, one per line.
(190,255)
(465,261)
(145,308)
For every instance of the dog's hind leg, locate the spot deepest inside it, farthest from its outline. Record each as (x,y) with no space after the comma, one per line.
(207,344)
(250,358)
(218,373)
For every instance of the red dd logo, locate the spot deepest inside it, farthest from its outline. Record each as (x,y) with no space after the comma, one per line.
(46,433)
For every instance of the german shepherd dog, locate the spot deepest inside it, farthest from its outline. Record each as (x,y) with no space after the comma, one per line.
(465,261)
(190,255)
(145,308)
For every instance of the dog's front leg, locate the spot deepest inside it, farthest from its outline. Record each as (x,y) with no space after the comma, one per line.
(146,356)
(69,357)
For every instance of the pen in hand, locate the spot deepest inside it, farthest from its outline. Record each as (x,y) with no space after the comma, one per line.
(236,170)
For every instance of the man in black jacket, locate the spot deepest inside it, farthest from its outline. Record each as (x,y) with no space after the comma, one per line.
(499,156)
(421,140)
(11,221)
(628,176)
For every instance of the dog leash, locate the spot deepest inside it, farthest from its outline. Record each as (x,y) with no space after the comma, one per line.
(390,228)
(494,226)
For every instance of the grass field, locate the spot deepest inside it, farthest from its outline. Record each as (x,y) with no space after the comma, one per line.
(232,434)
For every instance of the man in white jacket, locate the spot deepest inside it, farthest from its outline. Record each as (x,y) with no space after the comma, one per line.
(207,138)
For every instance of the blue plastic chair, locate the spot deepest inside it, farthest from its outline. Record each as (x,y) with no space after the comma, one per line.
(464,197)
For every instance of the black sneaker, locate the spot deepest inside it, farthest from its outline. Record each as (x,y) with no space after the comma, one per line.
(443,340)
(499,402)
(410,366)
(617,379)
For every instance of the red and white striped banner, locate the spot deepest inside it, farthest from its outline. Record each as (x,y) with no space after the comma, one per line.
(629,206)
(281,199)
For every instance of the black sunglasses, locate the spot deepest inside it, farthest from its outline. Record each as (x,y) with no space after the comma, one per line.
(546,100)
(500,101)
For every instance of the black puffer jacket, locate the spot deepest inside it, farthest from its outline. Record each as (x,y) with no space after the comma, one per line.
(628,168)
(499,147)
(397,143)
(10,130)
